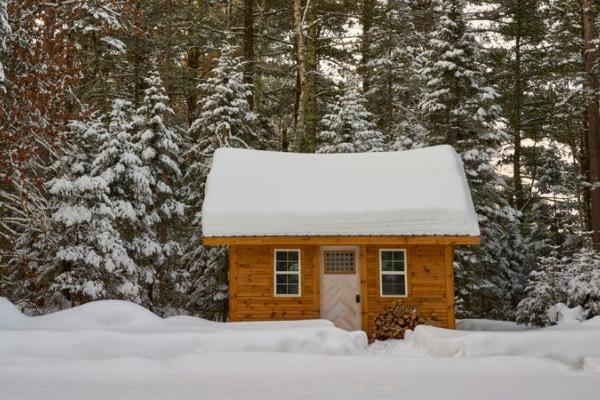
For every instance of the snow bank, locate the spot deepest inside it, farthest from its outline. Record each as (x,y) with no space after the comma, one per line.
(575,346)
(110,328)
(487,325)
(562,314)
(415,192)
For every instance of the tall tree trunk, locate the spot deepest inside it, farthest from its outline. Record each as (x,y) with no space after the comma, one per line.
(310,134)
(249,48)
(302,85)
(590,54)
(168,56)
(365,44)
(516,127)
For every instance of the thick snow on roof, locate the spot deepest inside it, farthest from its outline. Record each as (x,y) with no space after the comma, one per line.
(262,193)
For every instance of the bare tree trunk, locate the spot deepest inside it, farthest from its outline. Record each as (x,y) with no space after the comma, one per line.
(249,48)
(302,85)
(365,44)
(428,17)
(590,55)
(516,128)
(310,138)
(168,56)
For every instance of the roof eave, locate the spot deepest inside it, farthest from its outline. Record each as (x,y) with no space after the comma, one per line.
(397,240)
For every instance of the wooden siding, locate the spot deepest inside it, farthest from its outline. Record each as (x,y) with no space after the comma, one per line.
(428,286)
(252,296)
(430,280)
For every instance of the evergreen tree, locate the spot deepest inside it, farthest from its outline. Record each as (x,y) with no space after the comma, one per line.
(158,148)
(390,51)
(461,109)
(583,287)
(91,259)
(348,127)
(545,288)
(224,120)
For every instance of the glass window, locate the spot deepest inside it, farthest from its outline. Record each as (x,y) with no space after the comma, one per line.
(339,262)
(393,272)
(287,272)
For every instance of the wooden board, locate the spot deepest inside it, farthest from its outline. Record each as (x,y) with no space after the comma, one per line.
(341,240)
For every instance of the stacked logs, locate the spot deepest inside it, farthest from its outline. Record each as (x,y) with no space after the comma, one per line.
(395,320)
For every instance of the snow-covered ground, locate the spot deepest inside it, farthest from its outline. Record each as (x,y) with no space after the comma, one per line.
(117,350)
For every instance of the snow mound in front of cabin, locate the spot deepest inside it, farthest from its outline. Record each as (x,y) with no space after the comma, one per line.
(487,325)
(113,329)
(576,345)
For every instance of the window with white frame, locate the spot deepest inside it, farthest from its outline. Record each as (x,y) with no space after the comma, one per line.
(392,269)
(287,272)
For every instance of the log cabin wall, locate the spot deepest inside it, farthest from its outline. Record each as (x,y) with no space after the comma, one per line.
(251,296)
(430,283)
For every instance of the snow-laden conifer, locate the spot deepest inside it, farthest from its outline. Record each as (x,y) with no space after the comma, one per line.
(91,259)
(583,287)
(545,288)
(158,147)
(348,128)
(460,108)
(224,120)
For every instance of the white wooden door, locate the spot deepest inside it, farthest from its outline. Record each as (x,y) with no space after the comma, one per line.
(340,287)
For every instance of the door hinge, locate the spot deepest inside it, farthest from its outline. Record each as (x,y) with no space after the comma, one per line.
(358,298)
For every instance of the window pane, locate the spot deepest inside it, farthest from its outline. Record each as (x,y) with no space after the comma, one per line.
(392,261)
(392,285)
(387,255)
(287,284)
(387,265)
(281,265)
(339,262)
(282,289)
(398,266)
(293,289)
(287,261)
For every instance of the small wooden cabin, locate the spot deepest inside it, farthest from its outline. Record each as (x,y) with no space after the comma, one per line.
(339,236)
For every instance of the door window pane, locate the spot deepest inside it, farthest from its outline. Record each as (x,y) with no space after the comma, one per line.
(339,262)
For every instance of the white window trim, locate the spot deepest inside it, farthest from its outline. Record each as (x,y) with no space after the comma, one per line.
(381,273)
(275,273)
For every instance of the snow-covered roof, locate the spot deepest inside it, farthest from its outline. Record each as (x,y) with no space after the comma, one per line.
(261,193)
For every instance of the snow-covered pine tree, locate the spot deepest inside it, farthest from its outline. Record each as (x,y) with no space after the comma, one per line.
(129,182)
(158,147)
(553,217)
(224,120)
(545,288)
(91,259)
(583,287)
(460,108)
(347,128)
(389,68)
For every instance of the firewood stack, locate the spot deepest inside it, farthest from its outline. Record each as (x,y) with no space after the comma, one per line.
(395,320)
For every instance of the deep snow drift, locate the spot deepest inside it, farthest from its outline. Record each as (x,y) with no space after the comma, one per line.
(117,350)
(104,329)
